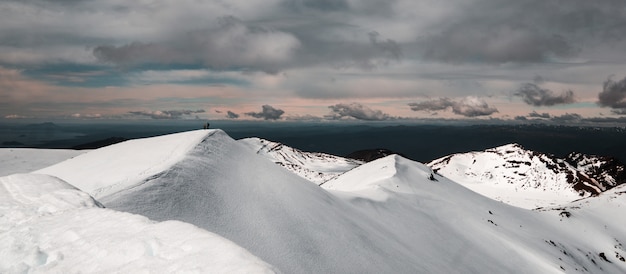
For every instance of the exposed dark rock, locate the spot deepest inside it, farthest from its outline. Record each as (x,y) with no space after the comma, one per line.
(603,257)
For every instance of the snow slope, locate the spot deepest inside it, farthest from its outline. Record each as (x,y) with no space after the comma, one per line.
(520,177)
(21,160)
(391,215)
(124,165)
(46,225)
(313,166)
(225,187)
(454,230)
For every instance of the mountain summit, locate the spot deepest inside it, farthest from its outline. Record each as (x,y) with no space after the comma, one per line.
(531,179)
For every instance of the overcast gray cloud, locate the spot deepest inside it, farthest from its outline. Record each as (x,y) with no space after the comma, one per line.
(567,117)
(520,118)
(613,94)
(525,31)
(619,111)
(166,114)
(468,106)
(230,44)
(357,111)
(322,49)
(268,113)
(533,95)
(231,115)
(494,44)
(534,114)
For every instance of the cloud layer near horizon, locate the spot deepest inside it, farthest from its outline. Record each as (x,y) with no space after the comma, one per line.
(468,107)
(357,111)
(267,113)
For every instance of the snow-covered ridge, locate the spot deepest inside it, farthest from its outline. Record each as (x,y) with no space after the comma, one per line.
(107,170)
(391,215)
(392,173)
(527,178)
(314,166)
(22,160)
(49,226)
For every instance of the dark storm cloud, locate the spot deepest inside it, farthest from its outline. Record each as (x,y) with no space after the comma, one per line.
(613,94)
(494,44)
(166,114)
(268,113)
(525,31)
(533,95)
(468,107)
(388,47)
(535,114)
(235,44)
(231,115)
(230,44)
(618,120)
(364,50)
(520,118)
(433,104)
(356,111)
(619,111)
(567,117)
(326,5)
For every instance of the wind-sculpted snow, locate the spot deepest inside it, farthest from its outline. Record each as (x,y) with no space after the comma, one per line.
(526,178)
(46,225)
(22,160)
(313,166)
(445,222)
(117,167)
(225,187)
(391,215)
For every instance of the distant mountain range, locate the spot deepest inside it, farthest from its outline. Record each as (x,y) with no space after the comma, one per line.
(507,173)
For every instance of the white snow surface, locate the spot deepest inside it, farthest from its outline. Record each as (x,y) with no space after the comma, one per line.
(391,215)
(47,225)
(22,160)
(313,166)
(444,222)
(120,166)
(510,174)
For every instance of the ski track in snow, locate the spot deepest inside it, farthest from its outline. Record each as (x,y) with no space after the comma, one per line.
(391,215)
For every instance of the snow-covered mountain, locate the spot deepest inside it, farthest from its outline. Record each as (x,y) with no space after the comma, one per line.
(49,226)
(531,179)
(313,166)
(391,215)
(475,234)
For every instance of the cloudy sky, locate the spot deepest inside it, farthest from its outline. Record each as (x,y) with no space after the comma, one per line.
(313,59)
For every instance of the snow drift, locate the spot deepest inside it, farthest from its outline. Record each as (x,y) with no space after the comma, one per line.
(46,225)
(124,165)
(22,160)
